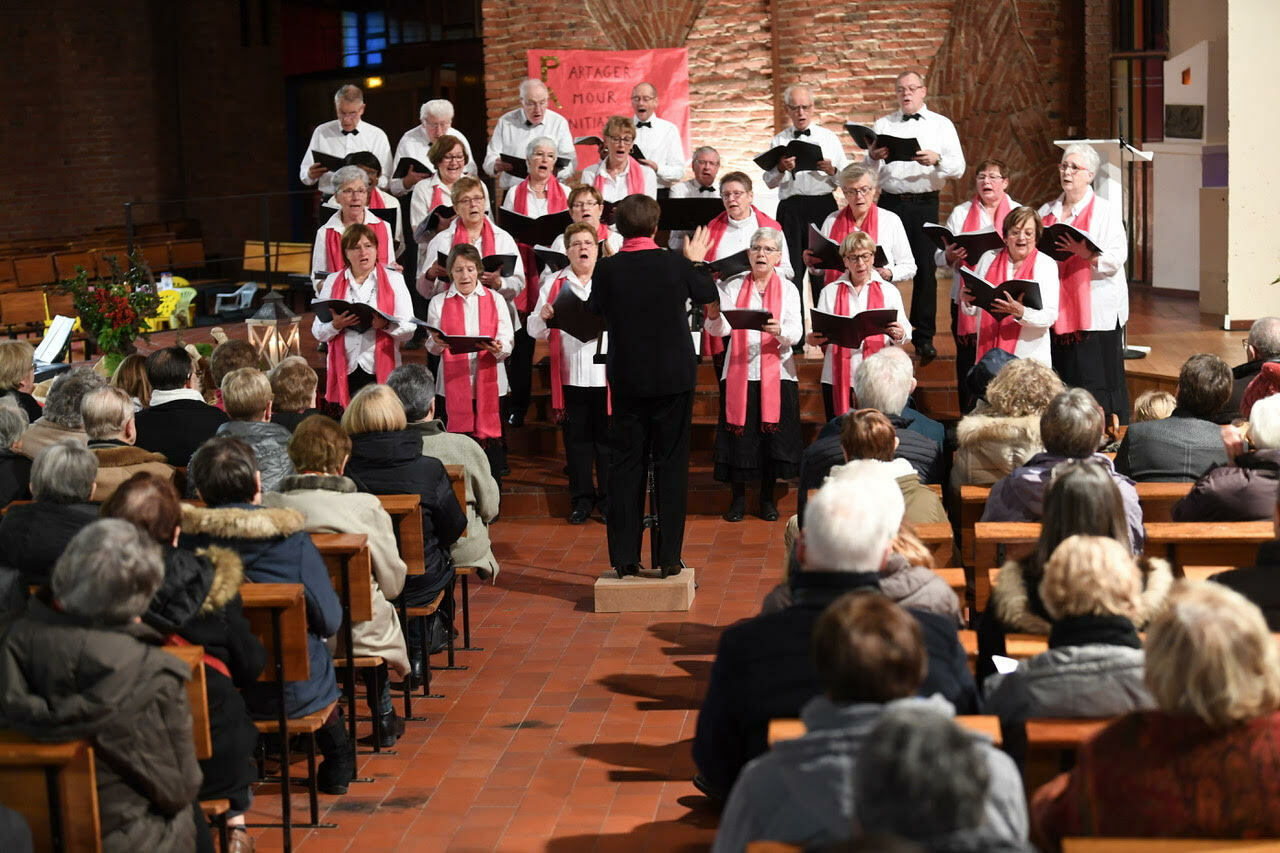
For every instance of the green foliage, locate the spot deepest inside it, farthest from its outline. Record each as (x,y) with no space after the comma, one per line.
(115,308)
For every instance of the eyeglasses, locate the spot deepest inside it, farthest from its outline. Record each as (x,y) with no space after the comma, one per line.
(858,191)
(1070,168)
(861,257)
(624,140)
(584,205)
(707,164)
(764,249)
(907,90)
(1245,345)
(799,108)
(541,103)
(353,191)
(644,99)
(732,194)
(471,199)
(454,158)
(991,176)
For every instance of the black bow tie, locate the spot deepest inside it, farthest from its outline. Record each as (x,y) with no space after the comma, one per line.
(641,124)
(800,133)
(528,123)
(702,189)
(912,117)
(350,132)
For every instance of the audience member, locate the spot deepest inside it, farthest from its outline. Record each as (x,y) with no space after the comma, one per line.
(762,668)
(1003,431)
(79,665)
(1092,592)
(199,602)
(62,419)
(870,659)
(924,778)
(1266,383)
(178,420)
(131,377)
(33,535)
(293,392)
(18,377)
(246,393)
(1203,764)
(231,354)
(15,468)
(1071,428)
(1262,346)
(1153,405)
(274,547)
(1245,488)
(329,503)
(1259,582)
(109,423)
(1184,445)
(387,459)
(868,434)
(415,386)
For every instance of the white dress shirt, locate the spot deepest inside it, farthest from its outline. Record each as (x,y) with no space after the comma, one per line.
(420,207)
(934,132)
(615,189)
(1033,337)
(537,206)
(791,322)
(578,367)
(415,144)
(808,183)
(471,320)
(661,144)
(892,237)
(955,224)
(857,303)
(688,189)
(737,236)
(319,251)
(361,345)
(503,244)
(1109,291)
(389,202)
(511,136)
(328,138)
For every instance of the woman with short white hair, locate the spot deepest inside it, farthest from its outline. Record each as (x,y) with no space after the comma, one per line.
(33,535)
(1244,489)
(351,190)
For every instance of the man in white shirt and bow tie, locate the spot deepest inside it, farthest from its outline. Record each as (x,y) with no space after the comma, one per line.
(658,139)
(910,189)
(345,135)
(514,130)
(706,165)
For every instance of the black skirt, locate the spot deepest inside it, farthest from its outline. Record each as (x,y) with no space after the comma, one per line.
(744,457)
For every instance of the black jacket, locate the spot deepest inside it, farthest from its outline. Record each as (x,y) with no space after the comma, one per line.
(391,463)
(764,669)
(1259,583)
(178,428)
(290,420)
(641,296)
(25,402)
(32,536)
(15,477)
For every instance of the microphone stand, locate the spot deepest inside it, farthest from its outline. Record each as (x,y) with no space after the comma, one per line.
(1129,353)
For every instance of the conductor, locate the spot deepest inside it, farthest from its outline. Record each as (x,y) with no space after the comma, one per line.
(643,292)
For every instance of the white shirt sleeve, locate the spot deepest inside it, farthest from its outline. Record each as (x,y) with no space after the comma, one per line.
(308,161)
(893,237)
(535,326)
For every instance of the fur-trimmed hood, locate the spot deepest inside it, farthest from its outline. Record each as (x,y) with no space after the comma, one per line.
(322,482)
(125,455)
(195,584)
(241,521)
(228,576)
(984,429)
(1012,606)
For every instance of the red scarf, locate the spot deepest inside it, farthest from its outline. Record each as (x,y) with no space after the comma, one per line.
(841,377)
(966,325)
(336,260)
(384,348)
(557,360)
(437,198)
(471,411)
(1004,334)
(556,202)
(602,233)
(844,226)
(720,224)
(375,199)
(735,388)
(637,244)
(488,241)
(635,176)
(1075,304)
(208,659)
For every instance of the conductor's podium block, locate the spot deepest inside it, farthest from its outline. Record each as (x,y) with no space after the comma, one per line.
(645,593)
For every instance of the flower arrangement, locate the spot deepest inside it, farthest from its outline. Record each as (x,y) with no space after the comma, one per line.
(114,309)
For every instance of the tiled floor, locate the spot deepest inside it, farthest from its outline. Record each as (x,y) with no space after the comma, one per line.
(570,731)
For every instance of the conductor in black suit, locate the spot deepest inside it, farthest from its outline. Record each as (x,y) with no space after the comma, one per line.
(643,294)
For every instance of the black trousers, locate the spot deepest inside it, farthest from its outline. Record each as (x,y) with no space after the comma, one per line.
(914,211)
(648,424)
(357,379)
(1096,364)
(586,442)
(519,371)
(966,355)
(795,215)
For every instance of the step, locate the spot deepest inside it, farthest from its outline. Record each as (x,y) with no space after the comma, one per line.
(543,438)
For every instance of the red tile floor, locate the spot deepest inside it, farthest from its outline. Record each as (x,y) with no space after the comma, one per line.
(571,730)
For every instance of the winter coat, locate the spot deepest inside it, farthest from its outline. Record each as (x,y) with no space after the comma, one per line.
(1175,449)
(118,461)
(991,446)
(1242,491)
(330,504)
(921,505)
(44,432)
(270,443)
(177,429)
(391,463)
(1259,583)
(15,477)
(802,790)
(918,588)
(483,495)
(275,548)
(23,401)
(63,679)
(32,536)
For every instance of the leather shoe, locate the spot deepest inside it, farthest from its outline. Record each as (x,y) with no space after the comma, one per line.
(735,512)
(669,571)
(579,515)
(768,511)
(392,729)
(623,571)
(926,351)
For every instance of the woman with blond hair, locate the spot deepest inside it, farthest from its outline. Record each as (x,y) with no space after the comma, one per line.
(131,377)
(1004,432)
(1204,762)
(18,377)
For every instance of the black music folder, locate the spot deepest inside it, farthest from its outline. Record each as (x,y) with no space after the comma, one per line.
(520,166)
(751,319)
(686,214)
(974,243)
(326,308)
(459,344)
(549,260)
(806,153)
(984,292)
(534,230)
(828,251)
(573,317)
(900,148)
(406,163)
(428,226)
(850,332)
(387,215)
(731,265)
(1048,240)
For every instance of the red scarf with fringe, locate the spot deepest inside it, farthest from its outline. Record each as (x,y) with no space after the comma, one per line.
(384,347)
(841,376)
(735,387)
(473,411)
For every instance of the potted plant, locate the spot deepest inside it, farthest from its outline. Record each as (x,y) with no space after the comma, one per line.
(114,309)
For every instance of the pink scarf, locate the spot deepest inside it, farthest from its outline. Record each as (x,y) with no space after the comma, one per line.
(966,325)
(841,379)
(336,260)
(638,244)
(635,176)
(1075,305)
(472,411)
(1004,334)
(488,241)
(384,349)
(844,226)
(735,404)
(720,224)
(556,202)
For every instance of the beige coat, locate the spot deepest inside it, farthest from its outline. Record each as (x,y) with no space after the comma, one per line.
(483,497)
(331,504)
(119,462)
(989,447)
(45,432)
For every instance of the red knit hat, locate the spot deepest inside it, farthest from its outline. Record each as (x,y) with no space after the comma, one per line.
(1266,383)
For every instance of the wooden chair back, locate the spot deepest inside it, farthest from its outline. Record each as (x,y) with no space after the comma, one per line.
(187,254)
(993,543)
(348,554)
(1050,742)
(790,728)
(34,271)
(255,256)
(22,311)
(53,786)
(1207,543)
(65,263)
(260,600)
(458,481)
(1168,845)
(291,258)
(1157,499)
(197,697)
(406,520)
(973,500)
(938,537)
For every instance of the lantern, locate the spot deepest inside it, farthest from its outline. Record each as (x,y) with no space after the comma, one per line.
(273,331)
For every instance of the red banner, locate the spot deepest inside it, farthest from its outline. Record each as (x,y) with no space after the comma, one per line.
(588,86)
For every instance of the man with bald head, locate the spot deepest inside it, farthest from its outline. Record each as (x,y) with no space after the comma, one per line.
(513,131)
(658,139)
(347,134)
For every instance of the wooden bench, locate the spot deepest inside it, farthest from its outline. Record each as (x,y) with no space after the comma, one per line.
(22,312)
(1016,646)
(938,537)
(1207,543)
(53,786)
(1165,845)
(406,523)
(458,481)
(994,543)
(215,811)
(790,728)
(1051,745)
